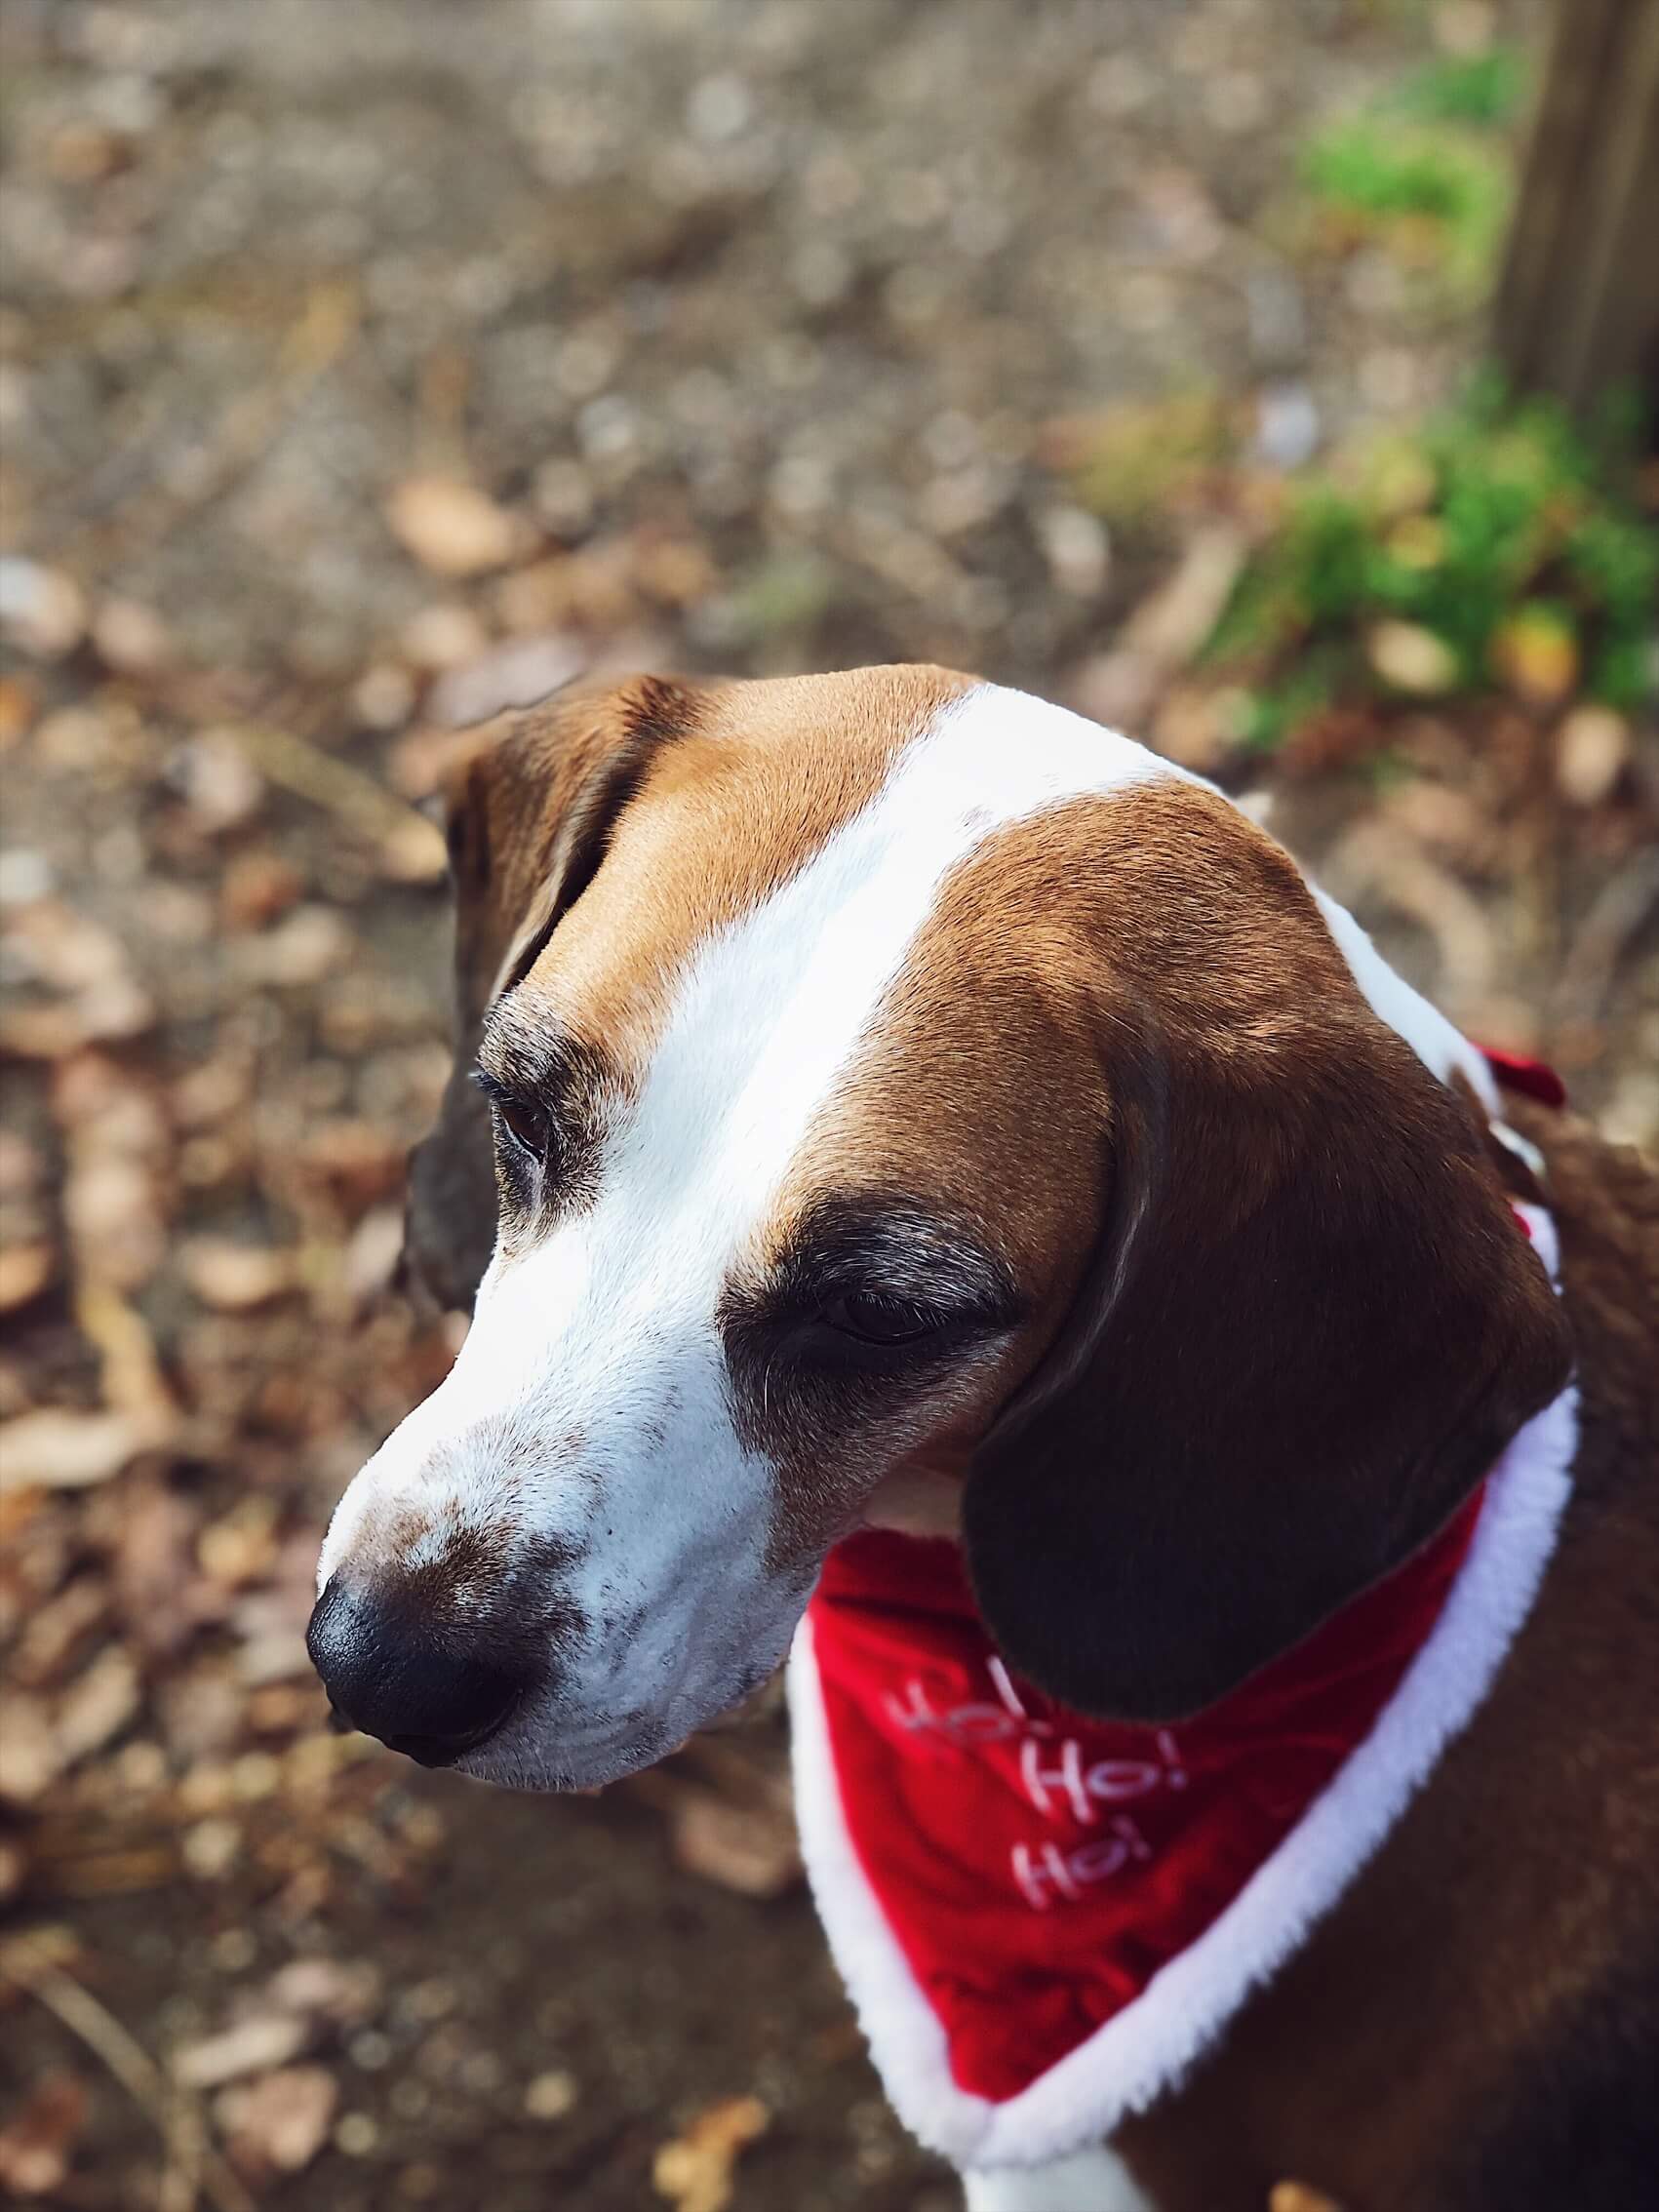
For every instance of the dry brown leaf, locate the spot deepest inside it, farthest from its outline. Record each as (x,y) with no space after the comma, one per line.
(37,2147)
(278,2123)
(55,1449)
(513,674)
(444,636)
(741,1848)
(30,1760)
(451,527)
(153,1565)
(26,1271)
(342,1993)
(236,1279)
(265,2039)
(97,1706)
(695,2171)
(130,1374)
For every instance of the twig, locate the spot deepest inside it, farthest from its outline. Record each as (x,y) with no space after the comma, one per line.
(1620,911)
(354,799)
(173,2111)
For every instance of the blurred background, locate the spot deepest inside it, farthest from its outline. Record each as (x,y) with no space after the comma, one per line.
(364,368)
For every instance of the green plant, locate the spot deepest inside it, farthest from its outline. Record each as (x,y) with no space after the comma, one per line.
(1497,544)
(1483,90)
(1433,189)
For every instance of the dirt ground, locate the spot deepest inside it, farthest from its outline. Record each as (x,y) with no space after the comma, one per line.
(361,368)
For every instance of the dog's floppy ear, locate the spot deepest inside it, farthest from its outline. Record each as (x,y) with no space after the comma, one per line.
(530,802)
(1309,1323)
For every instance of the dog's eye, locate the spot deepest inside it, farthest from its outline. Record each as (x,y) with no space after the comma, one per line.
(874,1319)
(526,1124)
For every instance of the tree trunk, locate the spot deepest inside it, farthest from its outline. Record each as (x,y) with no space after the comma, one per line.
(1578,308)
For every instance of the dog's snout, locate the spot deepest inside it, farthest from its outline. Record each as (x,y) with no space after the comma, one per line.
(392,1678)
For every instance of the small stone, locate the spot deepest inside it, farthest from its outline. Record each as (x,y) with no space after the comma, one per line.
(210,1848)
(41,609)
(1412,659)
(1077,548)
(356,2134)
(1591,749)
(382,698)
(221,786)
(132,639)
(550,2095)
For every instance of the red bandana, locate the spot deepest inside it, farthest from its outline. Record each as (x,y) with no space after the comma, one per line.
(1004,1881)
(1021,1847)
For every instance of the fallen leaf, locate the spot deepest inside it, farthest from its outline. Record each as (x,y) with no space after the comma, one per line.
(265,2039)
(278,2123)
(26,1271)
(236,1279)
(36,2148)
(256,887)
(97,1706)
(695,2171)
(513,674)
(440,636)
(343,1993)
(30,1760)
(451,527)
(306,946)
(741,1848)
(55,1449)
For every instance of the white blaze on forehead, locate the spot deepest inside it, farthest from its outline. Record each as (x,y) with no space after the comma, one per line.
(772,1009)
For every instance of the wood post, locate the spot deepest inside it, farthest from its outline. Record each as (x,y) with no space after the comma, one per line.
(1578,305)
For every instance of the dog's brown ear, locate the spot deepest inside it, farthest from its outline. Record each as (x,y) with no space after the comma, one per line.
(531,802)
(1310,1322)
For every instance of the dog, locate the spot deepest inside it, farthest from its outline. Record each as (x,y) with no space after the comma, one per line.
(938,1186)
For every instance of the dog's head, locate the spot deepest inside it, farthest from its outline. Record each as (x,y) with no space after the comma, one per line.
(886,1080)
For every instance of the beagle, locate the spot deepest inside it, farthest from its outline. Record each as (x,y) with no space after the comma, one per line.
(936,1185)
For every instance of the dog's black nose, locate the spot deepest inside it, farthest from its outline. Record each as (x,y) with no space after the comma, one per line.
(393,1679)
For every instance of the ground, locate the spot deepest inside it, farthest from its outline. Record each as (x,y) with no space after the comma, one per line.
(361,368)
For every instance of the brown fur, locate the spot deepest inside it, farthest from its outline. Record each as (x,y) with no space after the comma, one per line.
(1476,2028)
(1125,1027)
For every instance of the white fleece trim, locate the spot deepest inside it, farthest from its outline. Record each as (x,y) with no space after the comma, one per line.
(1145,2049)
